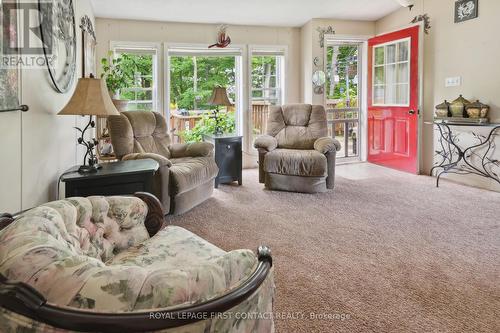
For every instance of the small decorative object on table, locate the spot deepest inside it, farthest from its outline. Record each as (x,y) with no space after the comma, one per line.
(457,107)
(117,178)
(443,110)
(477,110)
(91,98)
(228,156)
(462,111)
(219,98)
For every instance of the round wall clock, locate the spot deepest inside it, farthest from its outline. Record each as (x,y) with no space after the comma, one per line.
(58,35)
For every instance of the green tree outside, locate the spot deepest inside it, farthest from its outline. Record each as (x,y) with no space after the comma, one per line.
(342,61)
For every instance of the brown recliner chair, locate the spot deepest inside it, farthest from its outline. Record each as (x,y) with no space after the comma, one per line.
(296,153)
(187,171)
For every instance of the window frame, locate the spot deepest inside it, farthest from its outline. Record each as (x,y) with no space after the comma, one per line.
(153,49)
(279,79)
(384,65)
(281,68)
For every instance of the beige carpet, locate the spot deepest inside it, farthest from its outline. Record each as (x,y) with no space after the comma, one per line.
(385,251)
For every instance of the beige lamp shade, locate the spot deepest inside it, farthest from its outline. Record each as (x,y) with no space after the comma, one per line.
(219,97)
(91,98)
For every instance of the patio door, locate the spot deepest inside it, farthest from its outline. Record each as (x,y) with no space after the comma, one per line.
(393,99)
(342,92)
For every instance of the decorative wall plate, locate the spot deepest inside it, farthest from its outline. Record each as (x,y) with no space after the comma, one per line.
(58,30)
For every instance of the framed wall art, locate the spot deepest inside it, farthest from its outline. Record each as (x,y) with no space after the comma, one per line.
(9,75)
(466,10)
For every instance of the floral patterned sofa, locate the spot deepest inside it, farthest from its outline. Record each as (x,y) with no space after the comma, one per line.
(109,264)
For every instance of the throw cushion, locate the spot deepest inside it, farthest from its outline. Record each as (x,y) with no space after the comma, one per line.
(294,162)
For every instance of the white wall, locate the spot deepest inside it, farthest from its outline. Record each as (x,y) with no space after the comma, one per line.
(469,49)
(37,146)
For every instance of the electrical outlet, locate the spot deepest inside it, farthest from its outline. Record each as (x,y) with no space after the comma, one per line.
(453,81)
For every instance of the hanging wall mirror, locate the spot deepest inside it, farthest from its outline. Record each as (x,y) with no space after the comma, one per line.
(318,80)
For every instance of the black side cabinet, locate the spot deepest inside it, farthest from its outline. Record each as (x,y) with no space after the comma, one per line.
(117,178)
(228,156)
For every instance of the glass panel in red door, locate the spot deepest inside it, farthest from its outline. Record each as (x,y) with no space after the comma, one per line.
(393,98)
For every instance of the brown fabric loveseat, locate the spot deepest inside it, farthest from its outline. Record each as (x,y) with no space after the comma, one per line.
(296,153)
(187,171)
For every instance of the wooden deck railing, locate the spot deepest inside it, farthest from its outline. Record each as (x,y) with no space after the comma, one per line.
(260,112)
(179,123)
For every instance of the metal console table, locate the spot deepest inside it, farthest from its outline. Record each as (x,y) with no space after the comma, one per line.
(459,160)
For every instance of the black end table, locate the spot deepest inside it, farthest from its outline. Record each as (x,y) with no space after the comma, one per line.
(228,156)
(117,178)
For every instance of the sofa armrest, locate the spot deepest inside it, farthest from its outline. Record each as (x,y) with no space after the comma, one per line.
(266,142)
(326,145)
(195,149)
(155,219)
(162,160)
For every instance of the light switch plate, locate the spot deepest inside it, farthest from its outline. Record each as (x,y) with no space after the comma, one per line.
(453,81)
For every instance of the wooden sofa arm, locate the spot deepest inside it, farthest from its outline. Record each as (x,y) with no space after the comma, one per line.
(23,299)
(155,220)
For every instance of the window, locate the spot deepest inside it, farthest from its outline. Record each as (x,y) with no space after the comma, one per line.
(192,79)
(193,74)
(267,85)
(391,73)
(141,67)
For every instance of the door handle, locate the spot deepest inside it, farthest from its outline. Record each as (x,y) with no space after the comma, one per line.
(411,112)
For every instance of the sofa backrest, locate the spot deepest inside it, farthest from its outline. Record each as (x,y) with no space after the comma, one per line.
(139,132)
(297,126)
(96,227)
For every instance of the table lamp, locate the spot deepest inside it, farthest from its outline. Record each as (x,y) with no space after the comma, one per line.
(219,97)
(91,98)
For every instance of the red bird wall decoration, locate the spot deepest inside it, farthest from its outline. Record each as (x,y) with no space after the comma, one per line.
(223,40)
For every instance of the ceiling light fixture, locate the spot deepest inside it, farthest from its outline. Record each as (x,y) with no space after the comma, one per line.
(407,3)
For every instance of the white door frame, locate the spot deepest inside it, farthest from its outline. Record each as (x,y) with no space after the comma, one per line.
(363,117)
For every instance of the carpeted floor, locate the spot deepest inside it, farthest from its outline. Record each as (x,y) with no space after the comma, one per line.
(384,252)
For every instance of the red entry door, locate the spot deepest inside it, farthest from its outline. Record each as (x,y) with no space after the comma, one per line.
(393,99)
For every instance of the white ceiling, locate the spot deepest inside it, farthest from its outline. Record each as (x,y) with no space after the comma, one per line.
(244,12)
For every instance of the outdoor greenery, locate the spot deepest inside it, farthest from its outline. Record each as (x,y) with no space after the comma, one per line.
(130,75)
(115,73)
(207,126)
(192,80)
(342,61)
(264,75)
(139,67)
